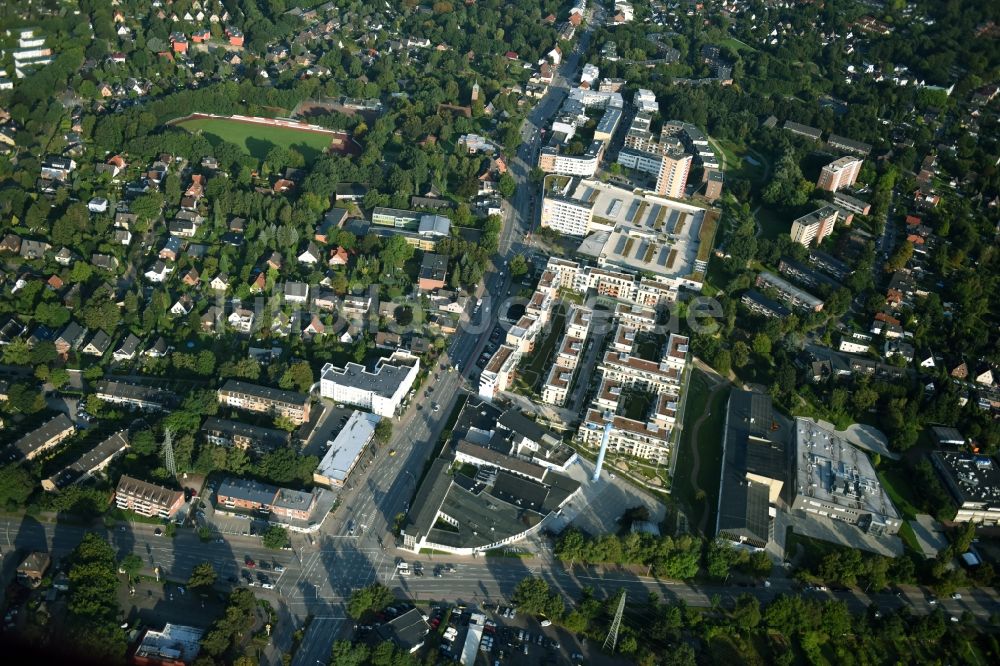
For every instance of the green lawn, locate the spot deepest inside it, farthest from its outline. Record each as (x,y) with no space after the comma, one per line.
(909,538)
(738,167)
(709,445)
(257,140)
(537,362)
(896,485)
(772,223)
(736,44)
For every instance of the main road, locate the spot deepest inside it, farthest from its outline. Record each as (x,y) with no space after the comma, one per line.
(315,581)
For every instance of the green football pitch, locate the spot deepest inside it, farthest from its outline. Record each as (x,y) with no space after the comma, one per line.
(257,139)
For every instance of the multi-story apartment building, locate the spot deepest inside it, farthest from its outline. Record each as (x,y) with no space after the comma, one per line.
(636,316)
(223,432)
(607,125)
(648,440)
(788,292)
(578,322)
(522,335)
(814,226)
(570,351)
(147,499)
(568,216)
(499,371)
(851,204)
(760,304)
(266,400)
(838,174)
(671,178)
(551,160)
(607,282)
(557,385)
(380,392)
(633,371)
(134,395)
(40,440)
(805,275)
(653,294)
(90,463)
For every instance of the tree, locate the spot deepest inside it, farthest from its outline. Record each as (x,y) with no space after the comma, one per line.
(383,431)
(507,186)
(93,603)
(346,653)
(532,595)
(746,614)
(16,485)
(275,537)
(740,354)
(373,598)
(203,575)
(762,344)
(297,376)
(25,398)
(130,565)
(900,257)
(518,266)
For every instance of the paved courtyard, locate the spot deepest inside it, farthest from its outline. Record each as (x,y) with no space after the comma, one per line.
(843,534)
(930,534)
(601,503)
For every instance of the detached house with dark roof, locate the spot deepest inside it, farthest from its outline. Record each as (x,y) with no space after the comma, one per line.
(97,345)
(70,338)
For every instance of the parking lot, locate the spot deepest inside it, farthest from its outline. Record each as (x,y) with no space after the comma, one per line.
(154,604)
(508,636)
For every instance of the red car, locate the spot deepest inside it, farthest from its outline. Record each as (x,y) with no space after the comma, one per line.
(249,562)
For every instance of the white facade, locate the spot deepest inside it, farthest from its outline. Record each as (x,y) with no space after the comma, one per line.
(575,165)
(645,101)
(380,392)
(567,216)
(853,347)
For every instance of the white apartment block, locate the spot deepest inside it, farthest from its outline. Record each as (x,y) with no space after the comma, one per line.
(552,161)
(567,216)
(606,282)
(499,372)
(640,159)
(645,101)
(557,385)
(380,392)
(578,322)
(635,372)
(648,441)
(636,316)
(651,293)
(522,335)
(671,180)
(570,351)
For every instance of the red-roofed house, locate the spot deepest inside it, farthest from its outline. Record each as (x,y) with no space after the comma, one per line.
(179,41)
(511,55)
(913,220)
(338,257)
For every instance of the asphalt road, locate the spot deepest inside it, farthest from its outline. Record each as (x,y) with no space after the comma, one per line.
(317,580)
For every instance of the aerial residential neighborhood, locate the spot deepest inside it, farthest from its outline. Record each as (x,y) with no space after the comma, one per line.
(540,333)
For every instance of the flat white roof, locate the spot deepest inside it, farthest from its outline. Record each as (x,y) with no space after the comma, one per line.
(650,233)
(347,445)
